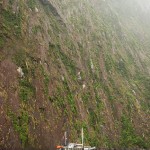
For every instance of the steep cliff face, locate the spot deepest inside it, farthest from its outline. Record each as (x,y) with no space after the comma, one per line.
(71,64)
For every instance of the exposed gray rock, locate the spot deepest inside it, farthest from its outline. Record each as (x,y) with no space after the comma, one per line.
(20,72)
(36,10)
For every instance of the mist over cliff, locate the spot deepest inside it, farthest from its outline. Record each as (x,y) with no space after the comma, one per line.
(68,64)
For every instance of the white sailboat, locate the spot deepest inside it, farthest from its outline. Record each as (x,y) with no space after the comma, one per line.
(74,146)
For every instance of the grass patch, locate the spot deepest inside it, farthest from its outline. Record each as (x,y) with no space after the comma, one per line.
(58,99)
(20,60)
(37,29)
(70,98)
(20,125)
(11,2)
(86,97)
(1,41)
(122,68)
(128,137)
(66,60)
(31,4)
(92,118)
(109,63)
(46,81)
(27,91)
(72,103)
(12,22)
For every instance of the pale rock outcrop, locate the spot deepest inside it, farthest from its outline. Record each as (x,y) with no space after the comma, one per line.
(20,71)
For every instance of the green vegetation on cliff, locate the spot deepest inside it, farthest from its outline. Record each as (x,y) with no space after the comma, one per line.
(67,64)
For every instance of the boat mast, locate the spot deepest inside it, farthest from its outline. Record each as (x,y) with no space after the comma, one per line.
(65,138)
(82,135)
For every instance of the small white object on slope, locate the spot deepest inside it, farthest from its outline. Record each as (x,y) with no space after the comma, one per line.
(20,72)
